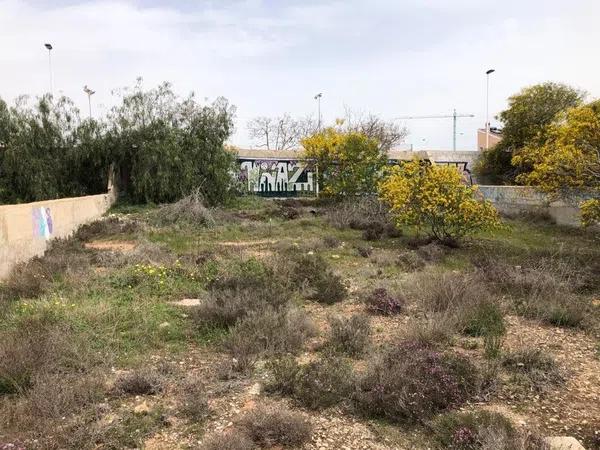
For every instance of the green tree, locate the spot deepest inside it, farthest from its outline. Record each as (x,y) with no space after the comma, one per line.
(525,122)
(348,162)
(569,159)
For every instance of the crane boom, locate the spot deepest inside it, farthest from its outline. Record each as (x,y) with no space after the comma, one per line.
(453,116)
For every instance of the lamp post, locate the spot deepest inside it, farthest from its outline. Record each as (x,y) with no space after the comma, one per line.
(49,47)
(487,108)
(89,93)
(318,99)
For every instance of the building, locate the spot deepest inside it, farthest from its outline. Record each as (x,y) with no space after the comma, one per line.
(495,137)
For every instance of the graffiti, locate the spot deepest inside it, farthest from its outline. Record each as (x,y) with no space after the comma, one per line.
(277,177)
(42,222)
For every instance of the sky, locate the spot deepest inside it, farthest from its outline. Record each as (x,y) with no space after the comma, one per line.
(391,58)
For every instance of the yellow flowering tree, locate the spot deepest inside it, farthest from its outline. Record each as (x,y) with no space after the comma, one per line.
(435,198)
(348,162)
(569,160)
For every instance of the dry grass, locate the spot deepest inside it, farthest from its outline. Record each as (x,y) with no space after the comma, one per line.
(349,335)
(190,210)
(533,369)
(139,382)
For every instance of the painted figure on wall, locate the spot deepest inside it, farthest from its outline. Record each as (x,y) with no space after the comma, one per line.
(42,222)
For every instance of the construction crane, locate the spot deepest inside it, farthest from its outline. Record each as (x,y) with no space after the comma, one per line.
(453,116)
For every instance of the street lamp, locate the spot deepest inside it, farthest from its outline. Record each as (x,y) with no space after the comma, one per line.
(89,93)
(318,99)
(487,108)
(49,47)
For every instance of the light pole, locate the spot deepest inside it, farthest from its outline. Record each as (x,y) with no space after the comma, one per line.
(318,99)
(49,47)
(89,93)
(487,108)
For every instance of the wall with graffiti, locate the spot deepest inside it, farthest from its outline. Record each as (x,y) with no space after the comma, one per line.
(277,178)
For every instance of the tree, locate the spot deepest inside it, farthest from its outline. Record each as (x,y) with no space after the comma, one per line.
(348,163)
(435,198)
(569,159)
(525,122)
(280,133)
(387,134)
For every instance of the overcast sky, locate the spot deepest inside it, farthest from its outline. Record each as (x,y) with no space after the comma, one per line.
(268,57)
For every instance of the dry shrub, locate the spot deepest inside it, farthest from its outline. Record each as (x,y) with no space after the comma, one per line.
(437,328)
(231,440)
(253,287)
(373,231)
(318,384)
(410,261)
(544,290)
(364,250)
(331,241)
(106,226)
(35,346)
(432,252)
(357,212)
(193,402)
(533,368)
(190,210)
(139,382)
(380,301)
(349,335)
(447,291)
(482,430)
(312,274)
(412,381)
(32,278)
(269,332)
(270,426)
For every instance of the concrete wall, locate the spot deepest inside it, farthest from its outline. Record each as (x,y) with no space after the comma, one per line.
(518,199)
(26,229)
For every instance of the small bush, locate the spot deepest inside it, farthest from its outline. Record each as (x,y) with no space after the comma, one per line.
(269,332)
(438,328)
(357,213)
(193,401)
(319,384)
(230,440)
(483,318)
(533,368)
(432,252)
(349,335)
(373,231)
(364,250)
(482,430)
(410,261)
(139,382)
(391,230)
(270,426)
(331,241)
(190,210)
(380,301)
(445,291)
(106,226)
(313,274)
(411,382)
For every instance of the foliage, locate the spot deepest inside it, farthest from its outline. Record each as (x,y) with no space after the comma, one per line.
(533,368)
(433,197)
(348,163)
(312,274)
(525,122)
(270,426)
(380,301)
(349,335)
(412,381)
(162,147)
(569,159)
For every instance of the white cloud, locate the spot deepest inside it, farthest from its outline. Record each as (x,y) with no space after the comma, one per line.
(267,57)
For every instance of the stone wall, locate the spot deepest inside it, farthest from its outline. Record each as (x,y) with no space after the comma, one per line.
(519,199)
(26,229)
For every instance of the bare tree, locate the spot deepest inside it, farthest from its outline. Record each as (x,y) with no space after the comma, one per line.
(387,133)
(280,133)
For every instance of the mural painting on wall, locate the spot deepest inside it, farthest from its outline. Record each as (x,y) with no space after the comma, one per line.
(42,222)
(283,178)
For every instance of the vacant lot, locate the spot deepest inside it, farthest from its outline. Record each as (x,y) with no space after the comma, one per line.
(300,325)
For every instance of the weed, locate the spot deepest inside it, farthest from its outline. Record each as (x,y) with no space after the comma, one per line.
(533,368)
(139,382)
(482,430)
(380,301)
(270,426)
(231,440)
(411,382)
(318,384)
(483,318)
(350,336)
(193,402)
(268,332)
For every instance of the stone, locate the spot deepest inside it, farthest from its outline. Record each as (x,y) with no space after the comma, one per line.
(142,408)
(564,443)
(188,302)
